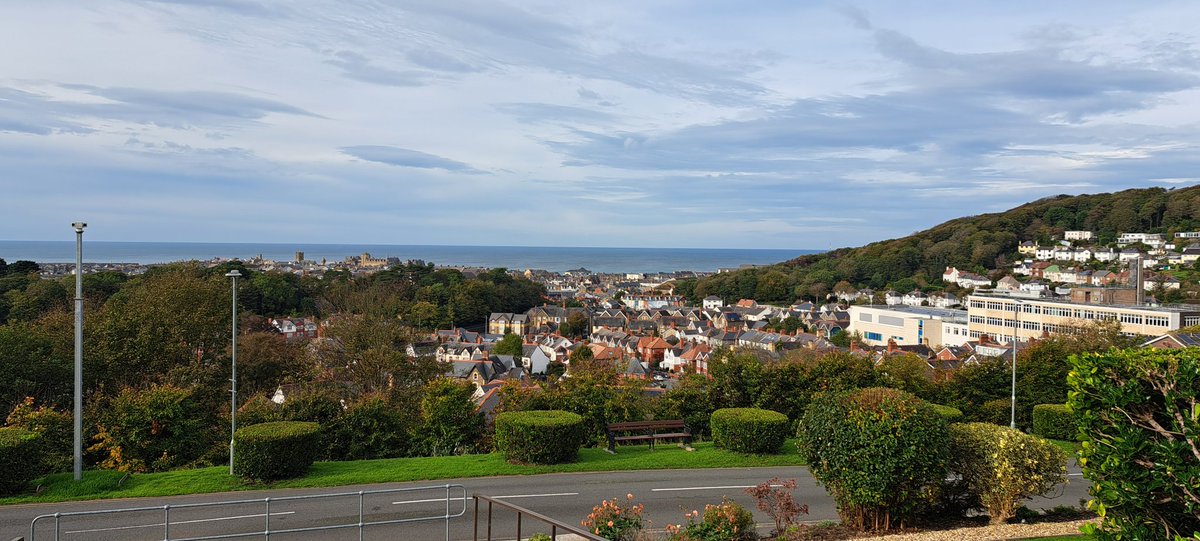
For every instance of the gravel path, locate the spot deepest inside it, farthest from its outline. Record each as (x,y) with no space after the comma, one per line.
(995,533)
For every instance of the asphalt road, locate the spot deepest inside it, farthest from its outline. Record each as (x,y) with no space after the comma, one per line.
(566,497)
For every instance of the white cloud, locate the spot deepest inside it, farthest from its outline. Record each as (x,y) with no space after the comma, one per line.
(710,124)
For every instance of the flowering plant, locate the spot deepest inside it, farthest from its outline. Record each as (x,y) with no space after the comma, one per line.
(725,522)
(615,520)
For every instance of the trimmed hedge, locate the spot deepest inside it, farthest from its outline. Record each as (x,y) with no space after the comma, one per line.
(749,430)
(949,413)
(1054,421)
(19,460)
(276,450)
(539,437)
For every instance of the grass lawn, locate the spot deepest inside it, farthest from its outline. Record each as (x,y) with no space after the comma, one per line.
(1071,447)
(103,484)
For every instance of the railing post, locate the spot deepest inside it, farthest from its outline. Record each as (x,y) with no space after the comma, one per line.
(447,511)
(167,523)
(489,537)
(554,532)
(518,526)
(360,515)
(56,526)
(475,534)
(267,515)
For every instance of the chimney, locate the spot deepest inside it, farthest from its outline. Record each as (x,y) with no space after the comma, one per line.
(854,345)
(1139,284)
(891,346)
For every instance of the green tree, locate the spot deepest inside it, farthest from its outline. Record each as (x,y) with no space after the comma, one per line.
(511,344)
(451,423)
(576,325)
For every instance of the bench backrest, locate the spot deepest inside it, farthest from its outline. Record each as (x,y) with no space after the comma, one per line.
(646,425)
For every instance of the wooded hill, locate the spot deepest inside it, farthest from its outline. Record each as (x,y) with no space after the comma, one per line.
(979,244)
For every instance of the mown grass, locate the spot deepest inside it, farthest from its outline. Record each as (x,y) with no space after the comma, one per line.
(103,484)
(1071,447)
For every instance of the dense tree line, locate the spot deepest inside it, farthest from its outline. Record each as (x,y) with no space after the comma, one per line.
(977,243)
(167,333)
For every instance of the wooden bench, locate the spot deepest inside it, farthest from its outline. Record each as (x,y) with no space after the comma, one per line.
(647,431)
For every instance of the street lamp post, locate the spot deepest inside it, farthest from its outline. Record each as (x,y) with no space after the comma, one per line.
(234,274)
(77,449)
(1012,423)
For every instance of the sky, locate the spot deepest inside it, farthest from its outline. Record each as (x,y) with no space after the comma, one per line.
(773,124)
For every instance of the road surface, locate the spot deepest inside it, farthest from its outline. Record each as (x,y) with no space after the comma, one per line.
(567,497)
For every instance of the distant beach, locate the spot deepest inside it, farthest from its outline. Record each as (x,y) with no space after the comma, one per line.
(551,258)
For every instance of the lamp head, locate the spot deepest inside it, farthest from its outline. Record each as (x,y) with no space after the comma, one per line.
(79,226)
(233,274)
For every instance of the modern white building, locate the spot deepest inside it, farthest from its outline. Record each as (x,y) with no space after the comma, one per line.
(998,316)
(909,325)
(1077,235)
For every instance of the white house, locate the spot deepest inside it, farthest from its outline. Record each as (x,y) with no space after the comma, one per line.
(1044,253)
(712,302)
(913,298)
(1104,254)
(1077,235)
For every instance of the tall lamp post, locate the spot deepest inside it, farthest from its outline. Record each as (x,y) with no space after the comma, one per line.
(234,274)
(1016,330)
(77,449)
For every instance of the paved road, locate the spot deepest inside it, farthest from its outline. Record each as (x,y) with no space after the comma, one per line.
(566,497)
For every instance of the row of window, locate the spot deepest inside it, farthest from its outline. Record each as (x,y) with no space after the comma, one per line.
(1067,312)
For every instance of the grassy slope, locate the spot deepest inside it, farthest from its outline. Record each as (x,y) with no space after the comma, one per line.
(101,484)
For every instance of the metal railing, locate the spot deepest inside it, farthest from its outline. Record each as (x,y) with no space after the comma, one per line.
(267,532)
(555,525)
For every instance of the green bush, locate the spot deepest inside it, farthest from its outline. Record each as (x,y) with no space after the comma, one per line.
(950,414)
(154,429)
(370,428)
(539,437)
(1054,421)
(749,430)
(19,459)
(55,432)
(997,411)
(277,450)
(1139,424)
(451,422)
(878,451)
(1003,466)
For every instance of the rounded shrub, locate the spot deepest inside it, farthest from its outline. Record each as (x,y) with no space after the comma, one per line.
(878,451)
(539,437)
(19,459)
(276,450)
(1054,421)
(1004,466)
(949,413)
(749,430)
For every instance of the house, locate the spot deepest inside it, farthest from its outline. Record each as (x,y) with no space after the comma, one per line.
(1008,283)
(1104,255)
(913,298)
(652,349)
(943,299)
(964,279)
(712,302)
(1189,255)
(508,323)
(1034,286)
(891,298)
(1024,268)
(1037,271)
(1173,341)
(1078,235)
(1083,255)
(1027,248)
(295,327)
(1044,253)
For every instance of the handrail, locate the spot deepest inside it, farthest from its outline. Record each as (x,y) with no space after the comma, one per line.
(266,532)
(555,525)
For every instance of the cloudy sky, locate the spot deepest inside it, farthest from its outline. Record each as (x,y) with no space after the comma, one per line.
(617,123)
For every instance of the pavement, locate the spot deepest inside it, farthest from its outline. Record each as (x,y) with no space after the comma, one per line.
(567,497)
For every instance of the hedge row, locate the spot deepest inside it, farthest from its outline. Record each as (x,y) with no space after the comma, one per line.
(749,430)
(19,460)
(1054,421)
(539,437)
(950,414)
(276,450)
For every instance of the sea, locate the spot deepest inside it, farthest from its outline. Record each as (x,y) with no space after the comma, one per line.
(551,258)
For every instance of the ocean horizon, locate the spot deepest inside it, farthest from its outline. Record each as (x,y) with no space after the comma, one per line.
(551,258)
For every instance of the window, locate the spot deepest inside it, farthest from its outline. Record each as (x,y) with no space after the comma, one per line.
(873,336)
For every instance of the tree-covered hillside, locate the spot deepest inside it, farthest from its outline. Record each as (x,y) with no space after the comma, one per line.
(976,243)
